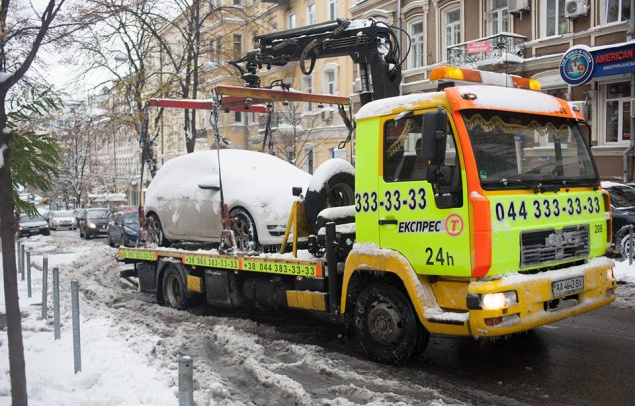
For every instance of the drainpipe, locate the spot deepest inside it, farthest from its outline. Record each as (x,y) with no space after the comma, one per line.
(631,147)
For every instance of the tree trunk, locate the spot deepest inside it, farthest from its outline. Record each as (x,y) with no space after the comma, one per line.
(7,231)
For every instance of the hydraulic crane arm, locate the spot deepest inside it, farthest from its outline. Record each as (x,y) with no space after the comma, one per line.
(370,43)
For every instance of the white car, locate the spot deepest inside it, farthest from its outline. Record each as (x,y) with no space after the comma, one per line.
(62,219)
(182,202)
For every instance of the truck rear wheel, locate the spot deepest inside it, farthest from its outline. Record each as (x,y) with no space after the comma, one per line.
(387,325)
(174,289)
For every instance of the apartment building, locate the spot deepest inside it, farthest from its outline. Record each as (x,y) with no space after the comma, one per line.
(528,38)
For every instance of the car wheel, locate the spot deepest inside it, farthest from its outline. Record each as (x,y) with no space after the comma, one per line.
(81,233)
(174,289)
(337,188)
(622,243)
(155,231)
(387,325)
(244,230)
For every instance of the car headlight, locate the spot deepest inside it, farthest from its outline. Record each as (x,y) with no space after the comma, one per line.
(92,225)
(129,230)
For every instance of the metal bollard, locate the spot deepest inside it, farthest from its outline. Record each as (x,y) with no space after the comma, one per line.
(77,349)
(28,273)
(186,381)
(21,262)
(17,251)
(56,302)
(45,275)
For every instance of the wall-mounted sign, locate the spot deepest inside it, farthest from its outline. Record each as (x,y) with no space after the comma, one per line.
(581,63)
(576,66)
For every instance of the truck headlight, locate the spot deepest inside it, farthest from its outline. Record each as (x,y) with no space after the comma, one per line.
(493,301)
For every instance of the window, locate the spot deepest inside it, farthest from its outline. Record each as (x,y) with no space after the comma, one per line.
(618,108)
(329,81)
(331,11)
(553,19)
(273,25)
(452,25)
(307,86)
(499,17)
(219,51)
(310,14)
(416,36)
(309,161)
(238,117)
(237,2)
(290,154)
(291,20)
(238,50)
(616,10)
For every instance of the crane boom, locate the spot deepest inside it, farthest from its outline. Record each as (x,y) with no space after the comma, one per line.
(370,43)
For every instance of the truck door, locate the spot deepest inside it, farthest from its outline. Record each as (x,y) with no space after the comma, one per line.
(427,225)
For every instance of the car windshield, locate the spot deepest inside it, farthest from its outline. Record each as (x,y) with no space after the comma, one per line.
(26,218)
(131,217)
(63,214)
(622,196)
(528,151)
(97,214)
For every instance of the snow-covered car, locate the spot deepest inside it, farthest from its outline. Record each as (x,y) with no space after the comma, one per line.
(182,202)
(622,213)
(32,225)
(62,219)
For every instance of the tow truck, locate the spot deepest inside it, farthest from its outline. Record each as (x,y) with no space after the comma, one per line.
(477,210)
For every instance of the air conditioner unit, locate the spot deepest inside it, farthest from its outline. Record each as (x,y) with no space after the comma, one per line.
(327,115)
(575,8)
(517,6)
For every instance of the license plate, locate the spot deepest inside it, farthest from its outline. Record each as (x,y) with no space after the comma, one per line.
(567,286)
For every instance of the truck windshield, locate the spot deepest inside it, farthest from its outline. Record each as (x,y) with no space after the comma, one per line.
(528,151)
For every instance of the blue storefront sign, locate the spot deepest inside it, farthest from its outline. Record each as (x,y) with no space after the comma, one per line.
(581,63)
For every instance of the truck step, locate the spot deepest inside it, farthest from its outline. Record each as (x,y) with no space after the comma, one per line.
(307,300)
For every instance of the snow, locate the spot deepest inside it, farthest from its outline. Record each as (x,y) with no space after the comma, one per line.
(326,170)
(131,346)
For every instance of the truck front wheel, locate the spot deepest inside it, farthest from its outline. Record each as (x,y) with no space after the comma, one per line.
(174,289)
(387,325)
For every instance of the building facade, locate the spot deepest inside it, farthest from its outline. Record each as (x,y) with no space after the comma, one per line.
(524,37)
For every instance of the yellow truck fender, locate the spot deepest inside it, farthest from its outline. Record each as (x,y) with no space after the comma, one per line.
(368,257)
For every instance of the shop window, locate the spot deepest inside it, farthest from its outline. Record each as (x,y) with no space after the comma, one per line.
(618,110)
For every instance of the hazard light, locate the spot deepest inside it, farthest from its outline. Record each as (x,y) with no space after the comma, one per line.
(483,77)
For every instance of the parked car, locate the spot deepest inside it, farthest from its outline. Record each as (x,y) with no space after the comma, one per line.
(183,200)
(123,228)
(94,222)
(32,225)
(623,213)
(78,213)
(62,219)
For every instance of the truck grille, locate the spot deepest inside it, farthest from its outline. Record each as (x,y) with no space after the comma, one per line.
(544,247)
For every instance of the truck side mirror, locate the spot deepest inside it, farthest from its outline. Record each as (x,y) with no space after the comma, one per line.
(434,136)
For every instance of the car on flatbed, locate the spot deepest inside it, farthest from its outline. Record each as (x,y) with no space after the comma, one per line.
(183,201)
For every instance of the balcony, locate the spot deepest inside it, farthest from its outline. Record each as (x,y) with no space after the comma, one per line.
(504,48)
